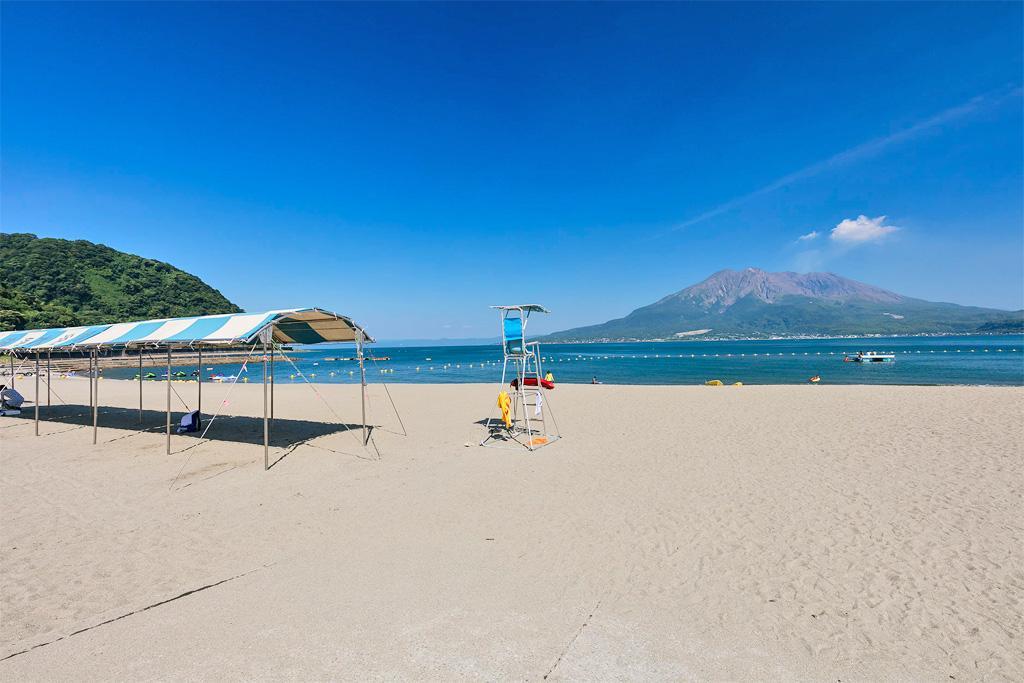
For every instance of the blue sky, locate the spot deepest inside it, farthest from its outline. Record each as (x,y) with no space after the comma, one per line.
(410,164)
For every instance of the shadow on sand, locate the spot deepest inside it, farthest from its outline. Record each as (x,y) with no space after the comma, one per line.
(284,433)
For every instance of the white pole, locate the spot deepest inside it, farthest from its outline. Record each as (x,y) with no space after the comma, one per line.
(12,369)
(362,379)
(200,362)
(37,393)
(266,424)
(96,403)
(140,385)
(48,378)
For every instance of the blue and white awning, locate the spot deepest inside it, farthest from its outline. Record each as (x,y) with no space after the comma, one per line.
(290,326)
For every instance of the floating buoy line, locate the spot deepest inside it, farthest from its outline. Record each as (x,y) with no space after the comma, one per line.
(488,367)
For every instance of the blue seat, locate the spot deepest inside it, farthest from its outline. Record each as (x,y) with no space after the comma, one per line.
(513,332)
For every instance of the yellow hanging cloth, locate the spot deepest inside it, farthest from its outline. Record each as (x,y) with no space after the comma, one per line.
(505,404)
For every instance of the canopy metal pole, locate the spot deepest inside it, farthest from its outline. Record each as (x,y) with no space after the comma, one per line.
(362,379)
(96,403)
(200,363)
(140,384)
(48,379)
(12,369)
(168,400)
(90,379)
(37,393)
(266,423)
(272,382)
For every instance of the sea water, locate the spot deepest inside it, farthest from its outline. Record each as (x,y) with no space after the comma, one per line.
(995,360)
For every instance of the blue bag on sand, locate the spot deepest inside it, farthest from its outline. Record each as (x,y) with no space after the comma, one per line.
(189,422)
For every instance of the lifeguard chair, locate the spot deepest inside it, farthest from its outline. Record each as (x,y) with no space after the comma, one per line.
(523,411)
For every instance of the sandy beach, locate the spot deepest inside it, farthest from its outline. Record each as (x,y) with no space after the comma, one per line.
(757,532)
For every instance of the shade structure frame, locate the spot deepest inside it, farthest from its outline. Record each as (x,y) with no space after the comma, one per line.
(284,327)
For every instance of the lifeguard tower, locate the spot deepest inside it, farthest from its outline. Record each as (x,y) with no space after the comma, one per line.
(523,411)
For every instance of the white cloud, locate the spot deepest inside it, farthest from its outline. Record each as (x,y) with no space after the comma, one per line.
(813,234)
(861,230)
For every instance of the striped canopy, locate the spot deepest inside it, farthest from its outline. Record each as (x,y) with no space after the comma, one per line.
(290,326)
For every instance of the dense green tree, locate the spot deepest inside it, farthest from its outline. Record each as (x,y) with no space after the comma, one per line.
(56,283)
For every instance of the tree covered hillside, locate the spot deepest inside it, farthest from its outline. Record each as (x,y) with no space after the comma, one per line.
(48,282)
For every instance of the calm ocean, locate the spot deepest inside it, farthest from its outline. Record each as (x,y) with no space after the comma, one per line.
(919,360)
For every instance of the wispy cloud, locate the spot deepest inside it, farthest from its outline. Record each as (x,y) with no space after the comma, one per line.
(860,230)
(865,150)
(850,233)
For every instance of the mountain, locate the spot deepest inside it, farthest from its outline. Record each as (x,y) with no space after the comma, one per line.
(57,283)
(755,303)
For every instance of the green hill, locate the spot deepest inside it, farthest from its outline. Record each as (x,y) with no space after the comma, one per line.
(48,282)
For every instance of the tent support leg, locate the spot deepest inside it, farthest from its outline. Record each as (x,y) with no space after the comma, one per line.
(271,381)
(140,386)
(168,400)
(266,424)
(36,401)
(12,369)
(90,380)
(96,403)
(200,377)
(362,380)
(47,379)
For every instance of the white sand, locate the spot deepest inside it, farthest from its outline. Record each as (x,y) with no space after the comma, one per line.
(814,533)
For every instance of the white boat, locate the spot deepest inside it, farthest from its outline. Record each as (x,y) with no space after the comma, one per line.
(871,357)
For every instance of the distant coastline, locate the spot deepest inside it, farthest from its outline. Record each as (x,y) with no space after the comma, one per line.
(789,337)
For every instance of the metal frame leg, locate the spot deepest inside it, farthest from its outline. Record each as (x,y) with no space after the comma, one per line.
(36,401)
(96,393)
(168,400)
(362,381)
(266,421)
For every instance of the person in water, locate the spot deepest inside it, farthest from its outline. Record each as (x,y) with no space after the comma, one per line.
(594,381)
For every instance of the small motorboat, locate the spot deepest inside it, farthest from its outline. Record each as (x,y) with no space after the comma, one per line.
(870,357)
(815,379)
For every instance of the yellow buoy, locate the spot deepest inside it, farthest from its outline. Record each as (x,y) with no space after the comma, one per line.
(714,383)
